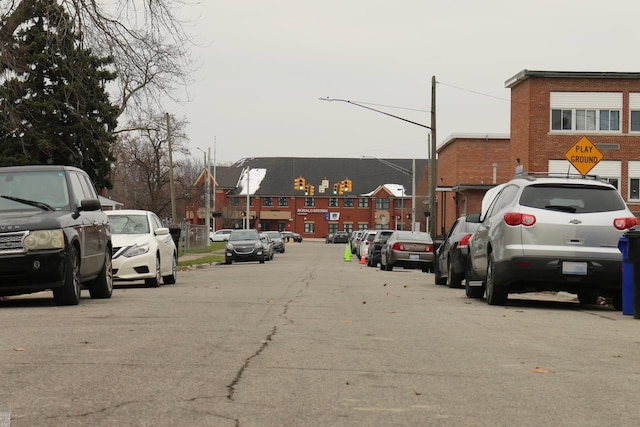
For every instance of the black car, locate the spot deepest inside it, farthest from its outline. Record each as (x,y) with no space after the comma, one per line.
(373,256)
(340,237)
(451,256)
(53,234)
(244,245)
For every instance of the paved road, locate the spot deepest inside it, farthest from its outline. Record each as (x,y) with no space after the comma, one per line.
(311,340)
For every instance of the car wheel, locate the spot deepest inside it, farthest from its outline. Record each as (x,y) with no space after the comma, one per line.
(171,279)
(471,291)
(496,295)
(102,286)
(155,281)
(587,297)
(227,260)
(437,277)
(453,280)
(389,267)
(262,259)
(69,293)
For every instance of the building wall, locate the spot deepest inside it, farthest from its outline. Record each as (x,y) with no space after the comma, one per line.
(535,144)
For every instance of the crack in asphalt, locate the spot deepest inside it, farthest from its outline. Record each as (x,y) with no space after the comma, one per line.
(236,380)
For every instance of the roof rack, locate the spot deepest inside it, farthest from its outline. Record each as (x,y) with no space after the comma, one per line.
(533,175)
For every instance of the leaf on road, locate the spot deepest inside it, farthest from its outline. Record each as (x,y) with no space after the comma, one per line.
(539,370)
(18,349)
(389,294)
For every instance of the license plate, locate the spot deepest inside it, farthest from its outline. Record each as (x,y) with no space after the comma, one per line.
(575,268)
(414,256)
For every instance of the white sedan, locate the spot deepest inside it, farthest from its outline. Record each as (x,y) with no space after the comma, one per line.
(143,248)
(221,235)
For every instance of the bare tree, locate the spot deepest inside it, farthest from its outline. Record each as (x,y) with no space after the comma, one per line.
(145,39)
(141,170)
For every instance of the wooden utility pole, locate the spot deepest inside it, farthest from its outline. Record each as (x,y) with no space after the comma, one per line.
(174,215)
(432,165)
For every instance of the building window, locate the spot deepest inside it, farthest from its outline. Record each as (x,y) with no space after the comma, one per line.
(333,227)
(348,202)
(363,226)
(400,204)
(309,202)
(363,203)
(609,120)
(267,201)
(283,201)
(586,120)
(348,227)
(634,189)
(309,227)
(382,204)
(634,124)
(333,202)
(587,111)
(561,120)
(235,201)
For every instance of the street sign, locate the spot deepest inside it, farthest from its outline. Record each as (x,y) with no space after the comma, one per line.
(583,155)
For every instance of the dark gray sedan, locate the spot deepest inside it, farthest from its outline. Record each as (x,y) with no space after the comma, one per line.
(244,245)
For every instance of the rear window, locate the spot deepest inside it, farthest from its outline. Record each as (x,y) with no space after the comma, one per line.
(572,198)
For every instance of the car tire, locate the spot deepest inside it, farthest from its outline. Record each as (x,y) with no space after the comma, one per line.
(589,298)
(437,277)
(389,267)
(171,279)
(154,282)
(102,286)
(69,293)
(453,280)
(228,260)
(471,291)
(496,295)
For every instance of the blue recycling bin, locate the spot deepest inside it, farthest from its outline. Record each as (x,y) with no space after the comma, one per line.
(627,277)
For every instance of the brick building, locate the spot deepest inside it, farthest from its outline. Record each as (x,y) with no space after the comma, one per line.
(380,198)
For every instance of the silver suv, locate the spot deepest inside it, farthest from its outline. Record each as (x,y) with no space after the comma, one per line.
(545,233)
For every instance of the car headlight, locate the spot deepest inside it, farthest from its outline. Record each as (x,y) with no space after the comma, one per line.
(258,245)
(229,246)
(44,239)
(136,250)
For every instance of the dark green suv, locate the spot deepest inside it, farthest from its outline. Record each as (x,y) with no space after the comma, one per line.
(53,234)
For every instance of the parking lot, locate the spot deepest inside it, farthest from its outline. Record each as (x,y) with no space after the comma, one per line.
(309,339)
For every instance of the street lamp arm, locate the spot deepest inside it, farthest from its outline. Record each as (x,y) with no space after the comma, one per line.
(373,109)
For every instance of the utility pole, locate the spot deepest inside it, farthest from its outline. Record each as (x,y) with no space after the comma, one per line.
(214,182)
(432,164)
(247,217)
(207,196)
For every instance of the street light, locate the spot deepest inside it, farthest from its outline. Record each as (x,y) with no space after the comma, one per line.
(207,201)
(431,143)
(412,174)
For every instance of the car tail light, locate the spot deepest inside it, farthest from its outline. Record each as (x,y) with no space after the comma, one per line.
(464,242)
(400,247)
(624,223)
(515,218)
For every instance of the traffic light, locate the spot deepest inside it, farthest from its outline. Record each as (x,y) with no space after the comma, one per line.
(397,217)
(349,185)
(296,184)
(302,184)
(299,183)
(312,190)
(306,190)
(342,187)
(335,188)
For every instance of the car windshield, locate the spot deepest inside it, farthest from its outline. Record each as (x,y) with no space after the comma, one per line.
(243,235)
(572,198)
(274,234)
(129,224)
(37,190)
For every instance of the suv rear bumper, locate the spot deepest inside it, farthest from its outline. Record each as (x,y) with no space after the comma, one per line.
(526,274)
(32,272)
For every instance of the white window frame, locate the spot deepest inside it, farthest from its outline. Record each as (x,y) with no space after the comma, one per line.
(586,110)
(633,168)
(634,107)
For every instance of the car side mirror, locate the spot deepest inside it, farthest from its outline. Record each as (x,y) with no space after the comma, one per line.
(90,205)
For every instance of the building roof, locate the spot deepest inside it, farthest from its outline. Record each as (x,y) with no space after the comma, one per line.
(478,136)
(274,176)
(525,74)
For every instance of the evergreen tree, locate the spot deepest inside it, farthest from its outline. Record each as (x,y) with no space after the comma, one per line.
(53,99)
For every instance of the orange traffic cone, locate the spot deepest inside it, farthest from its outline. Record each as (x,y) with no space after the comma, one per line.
(363,260)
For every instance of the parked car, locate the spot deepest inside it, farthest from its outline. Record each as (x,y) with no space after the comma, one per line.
(53,234)
(373,255)
(278,241)
(550,233)
(221,235)
(363,243)
(143,248)
(452,255)
(354,240)
(340,237)
(297,238)
(407,249)
(244,245)
(267,246)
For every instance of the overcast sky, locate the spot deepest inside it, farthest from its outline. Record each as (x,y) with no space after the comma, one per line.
(266,63)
